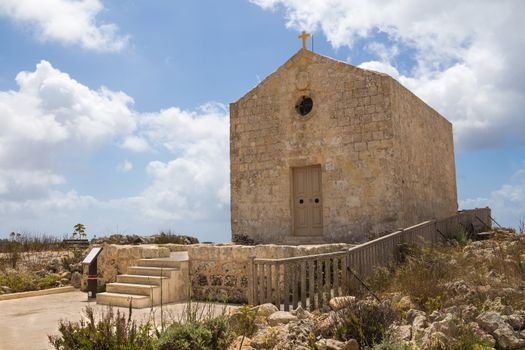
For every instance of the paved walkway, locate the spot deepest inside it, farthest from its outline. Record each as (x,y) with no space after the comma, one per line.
(26,323)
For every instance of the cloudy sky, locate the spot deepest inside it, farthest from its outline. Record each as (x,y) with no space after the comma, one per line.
(115,114)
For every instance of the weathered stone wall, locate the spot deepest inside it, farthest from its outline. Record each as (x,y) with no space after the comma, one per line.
(387,159)
(425,171)
(219,272)
(115,259)
(349,133)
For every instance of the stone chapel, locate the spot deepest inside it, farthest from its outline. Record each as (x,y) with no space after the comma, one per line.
(322,152)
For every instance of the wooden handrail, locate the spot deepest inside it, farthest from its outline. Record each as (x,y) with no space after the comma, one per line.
(311,279)
(262,261)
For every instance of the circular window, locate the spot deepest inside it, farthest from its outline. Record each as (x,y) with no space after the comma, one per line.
(304,106)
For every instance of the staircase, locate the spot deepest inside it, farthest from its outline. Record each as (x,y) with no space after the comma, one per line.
(149,282)
(304,240)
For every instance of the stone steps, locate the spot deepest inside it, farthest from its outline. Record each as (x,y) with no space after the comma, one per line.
(141,279)
(158,262)
(304,240)
(122,300)
(149,281)
(151,271)
(131,288)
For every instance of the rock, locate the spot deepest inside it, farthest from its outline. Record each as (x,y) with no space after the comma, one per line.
(490,321)
(418,326)
(246,343)
(265,310)
(412,313)
(65,275)
(76,278)
(301,313)
(75,267)
(493,323)
(41,273)
(468,312)
(281,317)
(351,345)
(403,332)
(338,303)
(515,321)
(405,303)
(482,334)
(54,265)
(6,289)
(435,316)
(330,344)
(507,339)
(435,340)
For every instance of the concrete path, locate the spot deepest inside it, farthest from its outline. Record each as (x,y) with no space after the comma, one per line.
(26,323)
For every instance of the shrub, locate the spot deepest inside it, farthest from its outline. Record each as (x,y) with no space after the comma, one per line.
(112,332)
(423,275)
(18,281)
(25,242)
(461,236)
(390,343)
(210,334)
(243,321)
(48,281)
(170,237)
(366,321)
(243,239)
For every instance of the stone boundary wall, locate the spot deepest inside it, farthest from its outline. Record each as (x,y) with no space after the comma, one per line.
(219,271)
(115,259)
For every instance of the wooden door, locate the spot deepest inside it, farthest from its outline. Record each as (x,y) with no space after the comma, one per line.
(307,205)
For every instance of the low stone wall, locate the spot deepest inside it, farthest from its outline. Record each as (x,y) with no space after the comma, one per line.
(115,259)
(219,272)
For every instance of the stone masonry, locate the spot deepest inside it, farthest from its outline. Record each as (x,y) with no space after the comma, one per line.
(386,158)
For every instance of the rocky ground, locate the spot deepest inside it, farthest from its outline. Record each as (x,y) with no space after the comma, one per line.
(465,295)
(161,238)
(40,270)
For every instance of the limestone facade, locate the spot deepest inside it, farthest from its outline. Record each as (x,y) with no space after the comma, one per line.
(386,158)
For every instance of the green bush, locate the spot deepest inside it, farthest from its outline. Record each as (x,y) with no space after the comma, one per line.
(365,321)
(48,281)
(112,332)
(18,281)
(390,343)
(210,334)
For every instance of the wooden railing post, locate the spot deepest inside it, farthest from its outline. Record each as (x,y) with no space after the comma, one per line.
(252,278)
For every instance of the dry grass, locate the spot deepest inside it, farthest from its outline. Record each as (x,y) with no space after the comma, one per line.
(484,270)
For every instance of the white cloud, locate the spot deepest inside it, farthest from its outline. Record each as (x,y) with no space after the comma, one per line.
(51,114)
(195,184)
(468,55)
(135,143)
(507,202)
(51,118)
(66,21)
(125,166)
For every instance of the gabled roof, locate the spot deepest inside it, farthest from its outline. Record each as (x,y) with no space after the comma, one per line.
(311,55)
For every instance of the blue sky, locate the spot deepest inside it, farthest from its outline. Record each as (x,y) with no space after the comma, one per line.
(114,114)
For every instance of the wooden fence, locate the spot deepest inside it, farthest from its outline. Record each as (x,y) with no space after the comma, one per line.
(310,281)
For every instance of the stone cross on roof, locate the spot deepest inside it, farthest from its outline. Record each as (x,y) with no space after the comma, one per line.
(304,36)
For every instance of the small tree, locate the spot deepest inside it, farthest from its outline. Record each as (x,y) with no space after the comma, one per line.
(80,230)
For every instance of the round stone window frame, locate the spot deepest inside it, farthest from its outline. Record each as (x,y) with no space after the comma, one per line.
(299,98)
